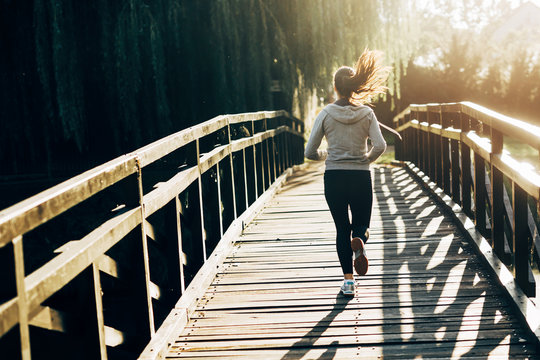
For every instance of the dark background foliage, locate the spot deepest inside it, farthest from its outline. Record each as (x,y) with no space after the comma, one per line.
(82,82)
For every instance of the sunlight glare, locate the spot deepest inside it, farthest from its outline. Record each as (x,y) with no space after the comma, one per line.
(476,279)
(414,194)
(404,294)
(400,224)
(441,252)
(423,249)
(469,331)
(430,283)
(405,182)
(409,188)
(498,316)
(419,202)
(392,205)
(427,210)
(439,334)
(495,352)
(450,290)
(433,226)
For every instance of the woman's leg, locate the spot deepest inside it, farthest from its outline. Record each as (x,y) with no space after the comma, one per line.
(337,199)
(361,202)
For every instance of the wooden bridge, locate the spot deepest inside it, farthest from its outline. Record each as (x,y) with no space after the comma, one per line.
(216,242)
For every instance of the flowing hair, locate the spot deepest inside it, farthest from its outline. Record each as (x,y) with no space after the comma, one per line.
(367,79)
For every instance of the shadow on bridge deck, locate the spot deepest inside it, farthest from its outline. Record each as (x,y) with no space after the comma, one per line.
(426,294)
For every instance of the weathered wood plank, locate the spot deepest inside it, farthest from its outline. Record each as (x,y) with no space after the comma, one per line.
(426,292)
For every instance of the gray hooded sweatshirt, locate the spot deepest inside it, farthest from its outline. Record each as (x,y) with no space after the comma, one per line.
(347,129)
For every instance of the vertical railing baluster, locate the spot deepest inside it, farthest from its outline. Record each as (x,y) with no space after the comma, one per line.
(232,170)
(287,155)
(438,154)
(424,148)
(454,153)
(219,200)
(268,173)
(99,311)
(497,199)
(431,145)
(418,142)
(178,207)
(445,153)
(22,301)
(246,190)
(480,193)
(521,241)
(465,166)
(255,161)
(146,260)
(203,232)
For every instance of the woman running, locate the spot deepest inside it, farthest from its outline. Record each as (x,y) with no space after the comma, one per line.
(347,124)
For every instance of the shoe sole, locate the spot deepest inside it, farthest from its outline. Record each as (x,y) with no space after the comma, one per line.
(348,295)
(361,262)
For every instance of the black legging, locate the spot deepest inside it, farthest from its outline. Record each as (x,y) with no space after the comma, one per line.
(344,188)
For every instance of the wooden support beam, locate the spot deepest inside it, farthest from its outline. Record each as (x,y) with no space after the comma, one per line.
(522,271)
(181,255)
(199,183)
(22,301)
(480,193)
(466,178)
(99,311)
(497,200)
(145,255)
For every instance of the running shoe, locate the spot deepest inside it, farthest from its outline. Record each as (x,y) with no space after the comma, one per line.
(360,258)
(347,289)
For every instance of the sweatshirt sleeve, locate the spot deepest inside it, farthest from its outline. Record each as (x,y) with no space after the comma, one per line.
(311,152)
(377,140)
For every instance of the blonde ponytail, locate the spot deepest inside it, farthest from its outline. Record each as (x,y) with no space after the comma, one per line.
(367,79)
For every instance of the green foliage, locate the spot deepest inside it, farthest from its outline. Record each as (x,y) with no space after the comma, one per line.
(85,82)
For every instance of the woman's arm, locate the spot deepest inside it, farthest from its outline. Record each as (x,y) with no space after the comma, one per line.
(377,140)
(317,133)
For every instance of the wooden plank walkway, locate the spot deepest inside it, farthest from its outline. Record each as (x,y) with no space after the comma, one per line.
(426,294)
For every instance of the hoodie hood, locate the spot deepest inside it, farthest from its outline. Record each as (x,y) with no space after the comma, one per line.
(348,114)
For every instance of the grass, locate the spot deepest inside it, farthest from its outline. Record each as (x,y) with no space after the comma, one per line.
(387,157)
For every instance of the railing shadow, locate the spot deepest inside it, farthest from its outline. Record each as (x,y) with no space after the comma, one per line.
(300,348)
(444,299)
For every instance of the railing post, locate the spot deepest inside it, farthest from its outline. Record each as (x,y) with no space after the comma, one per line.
(437,150)
(480,193)
(203,232)
(445,154)
(146,259)
(178,207)
(246,190)
(465,167)
(287,146)
(523,275)
(22,304)
(266,165)
(418,143)
(99,311)
(431,163)
(454,152)
(232,171)
(497,199)
(219,200)
(254,147)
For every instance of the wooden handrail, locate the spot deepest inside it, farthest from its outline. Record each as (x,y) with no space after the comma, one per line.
(271,150)
(441,139)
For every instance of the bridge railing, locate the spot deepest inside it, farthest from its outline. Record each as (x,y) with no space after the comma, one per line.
(143,225)
(460,146)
